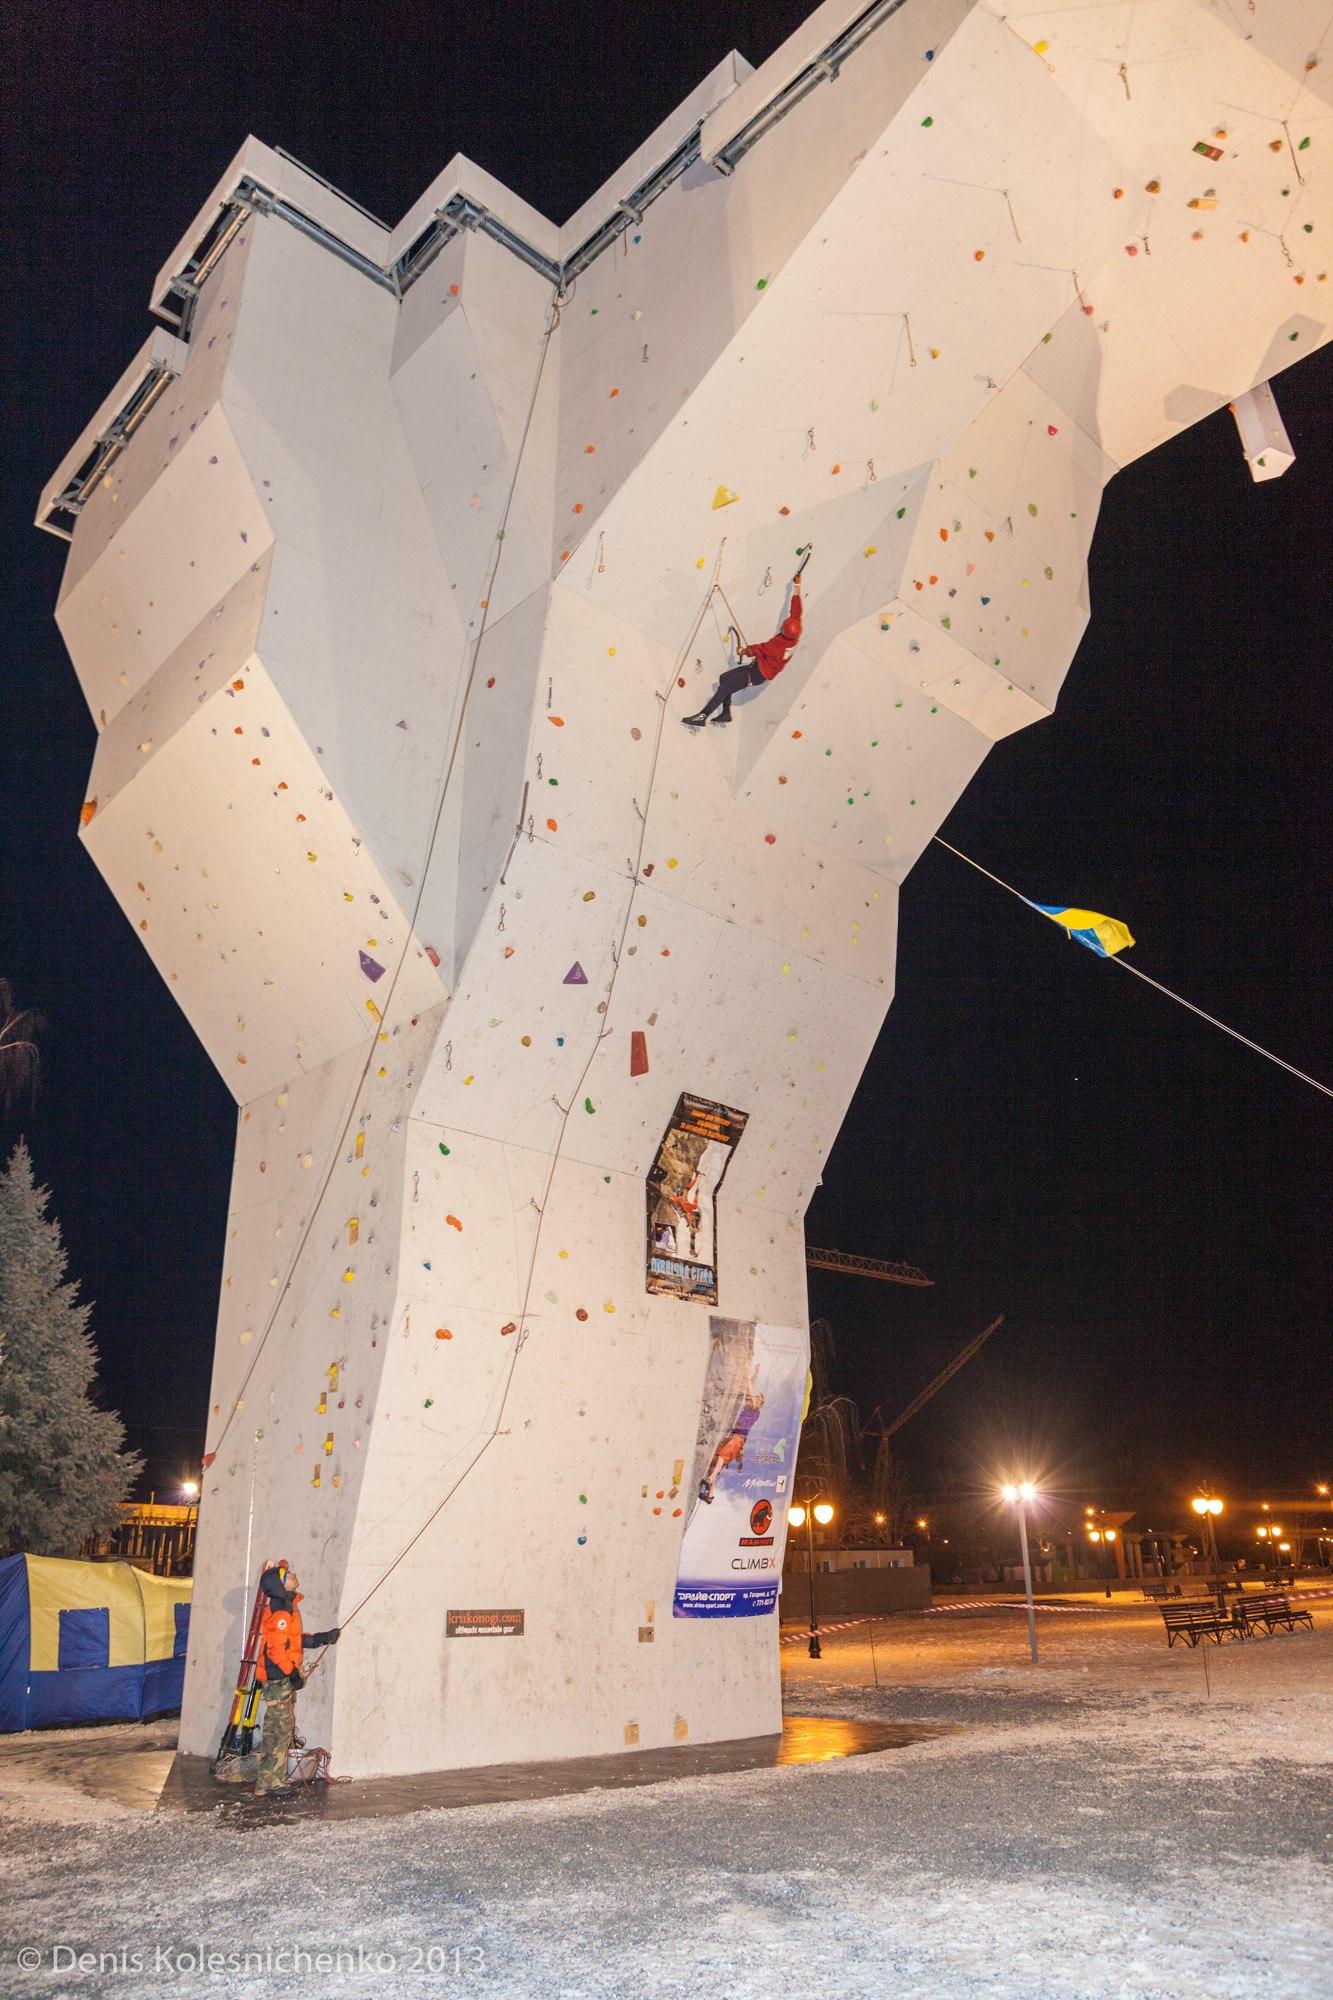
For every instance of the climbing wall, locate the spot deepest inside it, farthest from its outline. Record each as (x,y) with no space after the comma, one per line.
(390,611)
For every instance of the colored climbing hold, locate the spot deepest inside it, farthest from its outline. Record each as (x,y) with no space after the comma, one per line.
(638,1052)
(370,966)
(444,1149)
(580,1313)
(443,1333)
(724,497)
(589,1107)
(556,721)
(510,1326)
(86,810)
(761,285)
(576,976)
(927,121)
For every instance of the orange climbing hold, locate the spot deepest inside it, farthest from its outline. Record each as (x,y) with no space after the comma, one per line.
(454,1223)
(443,1333)
(556,721)
(86,810)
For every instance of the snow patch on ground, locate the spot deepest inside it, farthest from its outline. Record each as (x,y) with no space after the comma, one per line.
(1109,1826)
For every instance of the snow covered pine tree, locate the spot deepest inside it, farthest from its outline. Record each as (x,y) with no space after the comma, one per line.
(63,1469)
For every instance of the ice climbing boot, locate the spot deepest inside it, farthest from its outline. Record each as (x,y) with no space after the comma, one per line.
(723,715)
(694,721)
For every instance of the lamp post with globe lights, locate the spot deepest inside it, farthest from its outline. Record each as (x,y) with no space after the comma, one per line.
(805,1517)
(1207,1506)
(1020,1496)
(1102,1538)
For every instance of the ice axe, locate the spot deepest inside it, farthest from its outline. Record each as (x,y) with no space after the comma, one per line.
(805,557)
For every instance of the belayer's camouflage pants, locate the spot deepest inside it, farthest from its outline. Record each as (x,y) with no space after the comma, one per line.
(276,1741)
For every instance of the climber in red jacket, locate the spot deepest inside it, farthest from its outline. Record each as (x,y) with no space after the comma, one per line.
(756,664)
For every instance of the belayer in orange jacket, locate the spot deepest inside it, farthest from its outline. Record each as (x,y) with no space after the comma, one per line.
(278,1668)
(755,664)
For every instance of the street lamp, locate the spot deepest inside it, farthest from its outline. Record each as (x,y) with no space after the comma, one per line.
(805,1517)
(1272,1535)
(1207,1506)
(1020,1496)
(1103,1537)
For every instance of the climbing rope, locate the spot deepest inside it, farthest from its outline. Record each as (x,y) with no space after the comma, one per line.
(496,1430)
(487,593)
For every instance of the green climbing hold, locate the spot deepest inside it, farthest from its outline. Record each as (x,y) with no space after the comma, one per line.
(1304,146)
(762,285)
(589,1106)
(901,512)
(1308,228)
(947,623)
(971,472)
(583,1499)
(927,121)
(1032,507)
(444,1149)
(828,753)
(429,1403)
(1049,573)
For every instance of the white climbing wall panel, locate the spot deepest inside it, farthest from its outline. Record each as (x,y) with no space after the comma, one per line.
(389,612)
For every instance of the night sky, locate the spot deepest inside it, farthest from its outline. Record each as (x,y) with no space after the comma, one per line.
(1143,1199)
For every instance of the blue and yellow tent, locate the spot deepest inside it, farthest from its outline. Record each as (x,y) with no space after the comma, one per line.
(89,1642)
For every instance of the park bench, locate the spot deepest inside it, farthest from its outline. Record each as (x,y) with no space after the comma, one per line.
(1192,1622)
(1270,1612)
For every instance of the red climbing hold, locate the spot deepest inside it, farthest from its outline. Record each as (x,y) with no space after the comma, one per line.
(638,1053)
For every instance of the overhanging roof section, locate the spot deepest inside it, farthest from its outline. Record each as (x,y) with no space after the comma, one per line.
(807,58)
(304,196)
(161,358)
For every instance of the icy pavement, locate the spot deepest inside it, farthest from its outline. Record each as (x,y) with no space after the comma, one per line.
(1110,1825)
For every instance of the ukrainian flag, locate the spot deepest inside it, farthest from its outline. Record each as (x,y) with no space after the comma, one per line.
(1104,935)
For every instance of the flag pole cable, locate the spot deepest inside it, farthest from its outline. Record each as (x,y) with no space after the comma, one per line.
(1125,966)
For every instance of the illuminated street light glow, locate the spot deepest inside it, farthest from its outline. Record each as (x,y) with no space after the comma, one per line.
(796,1516)
(1023,1493)
(823,1513)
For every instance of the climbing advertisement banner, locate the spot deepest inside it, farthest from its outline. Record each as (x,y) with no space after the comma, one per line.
(683,1181)
(744,1461)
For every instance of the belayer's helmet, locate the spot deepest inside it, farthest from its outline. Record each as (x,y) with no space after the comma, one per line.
(277,1581)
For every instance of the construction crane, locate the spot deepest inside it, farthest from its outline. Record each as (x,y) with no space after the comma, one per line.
(945,1374)
(865,1267)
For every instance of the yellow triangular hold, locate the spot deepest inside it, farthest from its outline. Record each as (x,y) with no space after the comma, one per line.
(724,497)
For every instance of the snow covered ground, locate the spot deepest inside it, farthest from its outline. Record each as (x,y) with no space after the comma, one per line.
(1109,1825)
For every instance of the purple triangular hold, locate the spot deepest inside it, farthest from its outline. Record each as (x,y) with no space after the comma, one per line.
(576,976)
(370,966)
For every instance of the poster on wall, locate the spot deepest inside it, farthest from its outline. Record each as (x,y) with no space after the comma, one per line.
(744,1461)
(683,1181)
